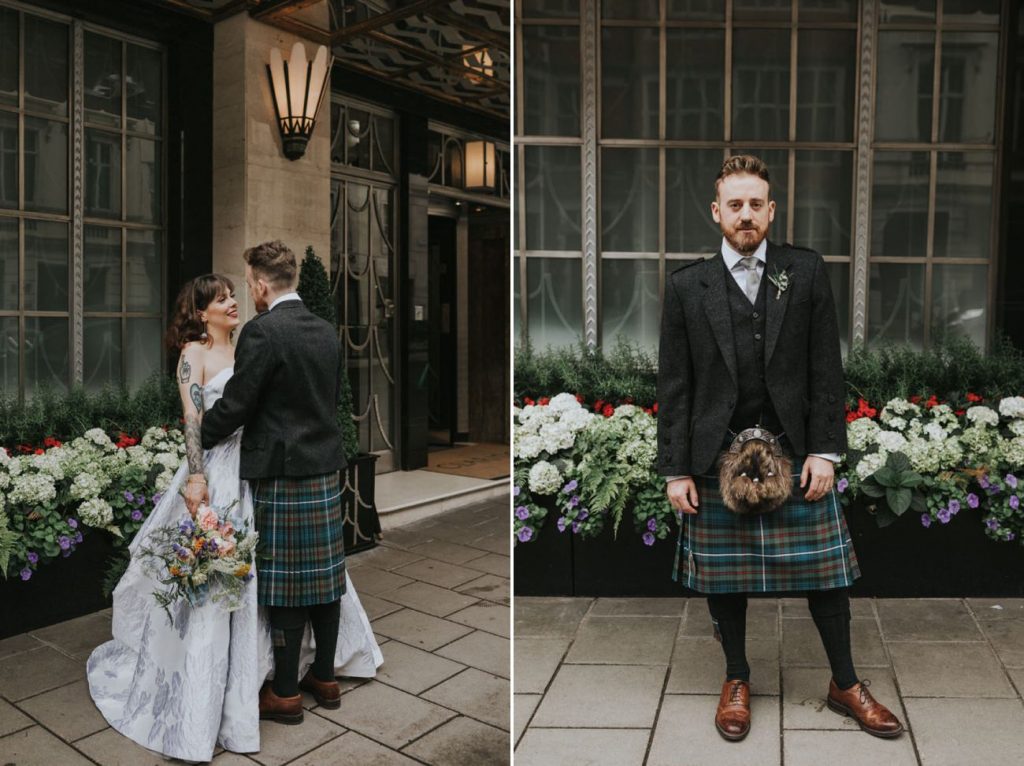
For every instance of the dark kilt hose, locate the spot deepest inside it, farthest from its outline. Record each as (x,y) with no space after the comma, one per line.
(799,547)
(300,557)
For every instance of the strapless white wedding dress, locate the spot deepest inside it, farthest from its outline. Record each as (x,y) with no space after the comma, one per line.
(182,690)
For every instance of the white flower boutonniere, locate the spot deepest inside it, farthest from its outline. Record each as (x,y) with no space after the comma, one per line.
(781,280)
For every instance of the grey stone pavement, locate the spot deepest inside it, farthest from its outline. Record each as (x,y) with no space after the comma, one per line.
(636,681)
(437,593)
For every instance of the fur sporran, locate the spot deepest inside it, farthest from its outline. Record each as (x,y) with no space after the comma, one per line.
(754,473)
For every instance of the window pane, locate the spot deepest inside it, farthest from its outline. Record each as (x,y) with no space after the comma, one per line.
(696,83)
(554,301)
(899,204)
(517,314)
(144,271)
(357,137)
(551,8)
(552,179)
(629,301)
(824,201)
(963,205)
(839,277)
(901,10)
(8,159)
(46,66)
(9,346)
(46,266)
(629,9)
(760,85)
(46,353)
(101,340)
(102,290)
(551,68)
(629,200)
(102,79)
(384,144)
(629,82)
(967,93)
(144,92)
(958,302)
(143,350)
(46,165)
(102,174)
(777,161)
(693,10)
(826,91)
(143,180)
(760,10)
(903,98)
(828,10)
(689,190)
(972,11)
(8,264)
(8,56)
(896,304)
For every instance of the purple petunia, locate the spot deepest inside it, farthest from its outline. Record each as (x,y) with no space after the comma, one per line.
(992,523)
(140,499)
(983,482)
(1014,502)
(926,520)
(525,534)
(522,512)
(571,486)
(1011,480)
(575,527)
(1010,536)
(64,542)
(648,538)
(652,524)
(136,515)
(954,507)
(26,573)
(972,500)
(562,521)
(78,536)
(73,523)
(65,554)
(516,490)
(129,496)
(842,484)
(33,557)
(944,515)
(574,501)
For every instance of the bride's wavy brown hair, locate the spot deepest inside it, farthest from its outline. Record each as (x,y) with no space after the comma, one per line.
(195,296)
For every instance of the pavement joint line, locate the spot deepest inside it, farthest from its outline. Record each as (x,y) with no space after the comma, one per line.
(547,686)
(657,710)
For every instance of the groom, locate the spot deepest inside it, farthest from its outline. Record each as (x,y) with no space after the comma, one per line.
(285,391)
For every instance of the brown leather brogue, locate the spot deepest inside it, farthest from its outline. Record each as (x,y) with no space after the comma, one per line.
(732,719)
(857,702)
(326,693)
(280,709)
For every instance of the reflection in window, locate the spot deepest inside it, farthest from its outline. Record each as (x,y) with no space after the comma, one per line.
(102,352)
(760,85)
(629,82)
(554,301)
(46,353)
(959,297)
(826,91)
(102,254)
(551,84)
(839,278)
(967,91)
(629,301)
(9,264)
(695,84)
(629,200)
(896,304)
(903,96)
(8,159)
(46,266)
(899,204)
(963,204)
(824,201)
(689,190)
(552,186)
(102,174)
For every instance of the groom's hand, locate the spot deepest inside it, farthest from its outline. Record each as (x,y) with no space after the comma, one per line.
(196,492)
(819,473)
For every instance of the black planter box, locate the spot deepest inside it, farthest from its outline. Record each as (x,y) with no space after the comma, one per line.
(543,566)
(624,566)
(59,590)
(362,524)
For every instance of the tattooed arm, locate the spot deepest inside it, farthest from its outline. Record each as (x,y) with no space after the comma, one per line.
(190,374)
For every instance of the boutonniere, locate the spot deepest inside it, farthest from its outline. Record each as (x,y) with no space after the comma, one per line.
(781,280)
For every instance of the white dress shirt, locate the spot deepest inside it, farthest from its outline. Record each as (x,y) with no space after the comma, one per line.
(731,259)
(292,296)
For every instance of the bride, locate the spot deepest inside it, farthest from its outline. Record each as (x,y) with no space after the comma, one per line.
(183,688)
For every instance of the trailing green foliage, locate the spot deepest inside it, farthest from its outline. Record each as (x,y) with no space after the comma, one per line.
(117,564)
(8,538)
(628,373)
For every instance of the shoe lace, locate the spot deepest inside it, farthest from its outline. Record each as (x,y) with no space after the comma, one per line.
(865,695)
(736,691)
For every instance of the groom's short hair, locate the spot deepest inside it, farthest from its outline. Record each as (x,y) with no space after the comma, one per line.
(273,262)
(739,164)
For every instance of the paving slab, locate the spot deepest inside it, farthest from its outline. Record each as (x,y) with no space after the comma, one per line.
(847,748)
(927,619)
(67,711)
(549,617)
(624,640)
(489,587)
(801,645)
(377,607)
(462,742)
(439,573)
(353,749)
(997,608)
(580,695)
(653,607)
(1007,637)
(36,671)
(377,582)
(762,619)
(37,747)
(424,597)
(523,706)
(571,747)
(698,667)
(110,748)
(686,734)
(496,542)
(280,743)
(386,715)
(414,670)
(796,608)
(536,660)
(475,694)
(77,637)
(1017,677)
(493,563)
(442,550)
(419,629)
(12,719)
(958,732)
(964,669)
(384,557)
(803,699)
(17,644)
(483,651)
(486,615)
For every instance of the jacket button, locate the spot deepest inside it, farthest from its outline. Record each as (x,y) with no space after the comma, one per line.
(831,397)
(757,336)
(755,315)
(831,434)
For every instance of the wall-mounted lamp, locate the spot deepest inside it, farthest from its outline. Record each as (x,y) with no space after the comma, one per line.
(297,87)
(480,165)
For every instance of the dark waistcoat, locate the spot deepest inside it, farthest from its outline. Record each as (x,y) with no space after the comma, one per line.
(753,403)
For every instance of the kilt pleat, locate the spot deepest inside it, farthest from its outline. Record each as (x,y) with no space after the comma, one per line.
(801,546)
(300,557)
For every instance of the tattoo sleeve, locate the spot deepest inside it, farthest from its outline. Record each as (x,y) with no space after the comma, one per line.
(193,431)
(184,370)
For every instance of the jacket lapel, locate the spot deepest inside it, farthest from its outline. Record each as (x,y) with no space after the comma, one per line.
(716,306)
(777,261)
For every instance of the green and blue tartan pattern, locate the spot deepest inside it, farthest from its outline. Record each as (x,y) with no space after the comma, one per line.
(300,557)
(801,546)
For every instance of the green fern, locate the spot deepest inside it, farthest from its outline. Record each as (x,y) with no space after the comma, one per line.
(8,541)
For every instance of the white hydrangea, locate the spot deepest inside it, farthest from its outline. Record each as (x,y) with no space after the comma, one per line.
(153,438)
(925,456)
(563,403)
(529,446)
(1012,407)
(15,466)
(899,407)
(167,460)
(86,486)
(50,463)
(140,456)
(870,463)
(4,457)
(944,414)
(545,478)
(1012,451)
(952,453)
(551,428)
(1017,427)
(982,415)
(897,423)
(32,489)
(163,481)
(978,439)
(96,512)
(861,433)
(99,437)
(556,437)
(935,432)
(5,480)
(891,441)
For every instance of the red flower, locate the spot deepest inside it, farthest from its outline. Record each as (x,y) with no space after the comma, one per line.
(932,401)
(49,441)
(959,412)
(39,451)
(608,411)
(124,440)
(599,405)
(655,408)
(972,397)
(544,400)
(648,410)
(25,449)
(528,401)
(915,398)
(579,398)
(628,400)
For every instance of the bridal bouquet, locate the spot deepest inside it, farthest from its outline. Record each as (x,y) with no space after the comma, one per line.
(204,559)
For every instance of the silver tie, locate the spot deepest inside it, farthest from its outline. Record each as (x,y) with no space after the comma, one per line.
(753,280)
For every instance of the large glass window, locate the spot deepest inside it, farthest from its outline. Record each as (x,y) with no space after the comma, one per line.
(47,234)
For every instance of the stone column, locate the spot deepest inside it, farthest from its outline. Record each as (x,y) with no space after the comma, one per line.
(259,194)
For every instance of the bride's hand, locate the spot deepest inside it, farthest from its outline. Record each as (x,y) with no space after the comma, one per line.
(196,493)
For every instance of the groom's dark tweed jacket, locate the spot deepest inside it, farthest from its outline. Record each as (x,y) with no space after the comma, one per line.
(284,390)
(697,369)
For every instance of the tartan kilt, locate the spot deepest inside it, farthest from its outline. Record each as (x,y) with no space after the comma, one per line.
(300,557)
(798,547)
